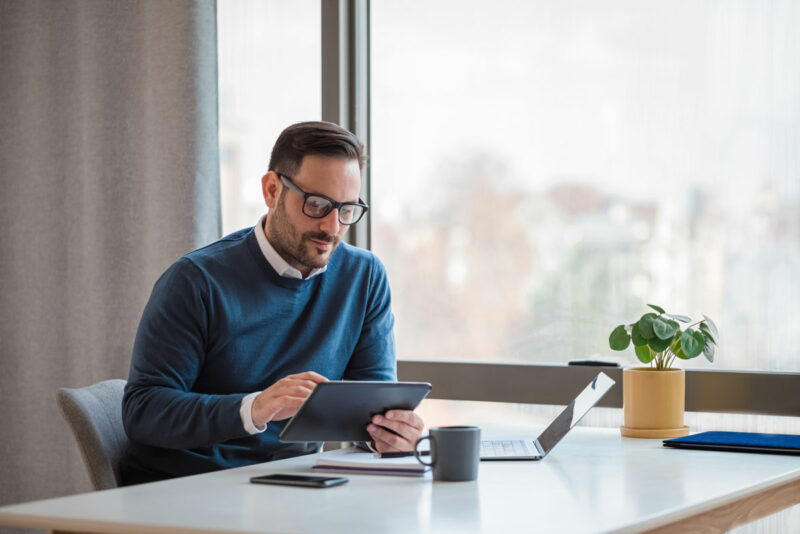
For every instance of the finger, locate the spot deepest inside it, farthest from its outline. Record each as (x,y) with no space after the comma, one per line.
(288,405)
(285,383)
(303,384)
(382,446)
(291,390)
(309,375)
(389,438)
(408,432)
(407,416)
(283,407)
(287,401)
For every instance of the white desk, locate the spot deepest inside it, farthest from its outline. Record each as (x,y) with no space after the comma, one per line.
(593,481)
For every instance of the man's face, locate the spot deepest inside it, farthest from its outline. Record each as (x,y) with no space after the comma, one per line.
(307,243)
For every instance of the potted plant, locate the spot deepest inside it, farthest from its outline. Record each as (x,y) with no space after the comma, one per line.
(653,397)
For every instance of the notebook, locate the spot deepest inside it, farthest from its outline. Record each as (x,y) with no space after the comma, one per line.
(369,463)
(739,442)
(519,449)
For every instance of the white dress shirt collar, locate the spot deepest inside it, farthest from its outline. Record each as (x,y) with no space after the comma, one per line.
(278,263)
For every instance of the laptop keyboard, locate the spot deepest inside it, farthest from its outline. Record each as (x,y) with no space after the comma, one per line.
(506,448)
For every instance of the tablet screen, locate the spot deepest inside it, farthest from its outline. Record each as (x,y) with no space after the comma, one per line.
(341,410)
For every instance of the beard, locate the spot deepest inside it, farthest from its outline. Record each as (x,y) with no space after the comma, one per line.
(298,249)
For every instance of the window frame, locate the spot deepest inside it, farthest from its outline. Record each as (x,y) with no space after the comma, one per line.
(346,101)
(345,85)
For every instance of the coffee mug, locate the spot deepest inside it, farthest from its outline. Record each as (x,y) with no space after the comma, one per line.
(455,452)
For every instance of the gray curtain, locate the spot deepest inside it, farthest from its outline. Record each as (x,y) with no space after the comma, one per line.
(108,173)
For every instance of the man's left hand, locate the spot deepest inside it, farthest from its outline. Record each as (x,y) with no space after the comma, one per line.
(396,430)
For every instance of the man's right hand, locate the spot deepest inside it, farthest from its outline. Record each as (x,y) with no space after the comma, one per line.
(283,398)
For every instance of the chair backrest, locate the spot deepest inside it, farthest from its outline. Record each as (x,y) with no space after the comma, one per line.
(94,413)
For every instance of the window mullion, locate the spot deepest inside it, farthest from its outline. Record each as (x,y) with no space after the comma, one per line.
(345,83)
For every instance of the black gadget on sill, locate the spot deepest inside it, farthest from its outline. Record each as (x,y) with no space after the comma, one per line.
(593,363)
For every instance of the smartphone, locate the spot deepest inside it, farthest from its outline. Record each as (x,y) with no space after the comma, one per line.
(310,481)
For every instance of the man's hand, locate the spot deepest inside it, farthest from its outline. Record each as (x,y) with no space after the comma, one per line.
(283,398)
(396,430)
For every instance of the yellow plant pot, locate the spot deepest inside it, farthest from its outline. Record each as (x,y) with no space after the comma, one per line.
(653,403)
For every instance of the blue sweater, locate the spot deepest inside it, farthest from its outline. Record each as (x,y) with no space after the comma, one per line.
(220,324)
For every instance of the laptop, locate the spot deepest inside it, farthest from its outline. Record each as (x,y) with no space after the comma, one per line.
(537,449)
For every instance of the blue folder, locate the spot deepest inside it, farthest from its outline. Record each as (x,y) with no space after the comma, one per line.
(739,442)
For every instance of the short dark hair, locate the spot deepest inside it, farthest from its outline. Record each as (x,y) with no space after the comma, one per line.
(314,137)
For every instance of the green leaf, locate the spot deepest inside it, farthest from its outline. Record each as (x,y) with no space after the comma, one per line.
(659,309)
(692,343)
(636,336)
(619,338)
(712,326)
(664,329)
(646,326)
(681,318)
(706,330)
(658,345)
(709,350)
(678,352)
(700,338)
(643,353)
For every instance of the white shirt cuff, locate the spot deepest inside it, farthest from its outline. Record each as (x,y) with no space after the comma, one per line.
(245,411)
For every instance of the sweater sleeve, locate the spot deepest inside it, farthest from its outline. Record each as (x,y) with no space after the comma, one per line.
(374,355)
(159,407)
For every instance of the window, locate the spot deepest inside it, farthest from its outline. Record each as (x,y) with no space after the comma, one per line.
(269,77)
(541,170)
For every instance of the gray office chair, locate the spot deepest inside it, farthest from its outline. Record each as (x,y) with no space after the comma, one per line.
(94,413)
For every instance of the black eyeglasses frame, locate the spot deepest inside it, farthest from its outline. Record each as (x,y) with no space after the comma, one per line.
(333,205)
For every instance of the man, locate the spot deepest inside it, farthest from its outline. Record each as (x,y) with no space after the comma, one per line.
(237,334)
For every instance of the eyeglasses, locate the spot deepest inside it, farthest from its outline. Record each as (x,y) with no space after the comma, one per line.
(318,206)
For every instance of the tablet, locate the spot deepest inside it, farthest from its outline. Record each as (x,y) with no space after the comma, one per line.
(341,410)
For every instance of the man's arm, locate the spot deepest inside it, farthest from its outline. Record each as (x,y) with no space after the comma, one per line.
(158,407)
(374,354)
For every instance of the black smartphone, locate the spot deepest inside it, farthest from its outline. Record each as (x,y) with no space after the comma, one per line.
(310,481)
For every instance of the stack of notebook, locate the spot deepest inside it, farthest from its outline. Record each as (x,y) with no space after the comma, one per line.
(369,463)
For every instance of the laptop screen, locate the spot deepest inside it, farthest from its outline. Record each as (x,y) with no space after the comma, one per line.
(574,412)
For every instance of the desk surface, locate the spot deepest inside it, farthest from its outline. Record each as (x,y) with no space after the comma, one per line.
(593,481)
